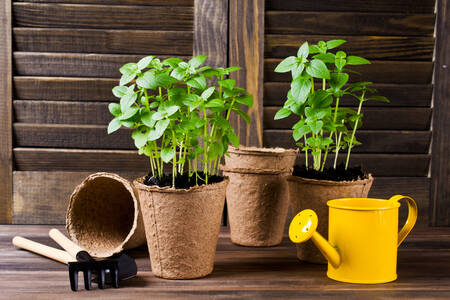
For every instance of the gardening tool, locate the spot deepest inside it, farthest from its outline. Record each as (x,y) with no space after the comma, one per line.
(363,238)
(117,268)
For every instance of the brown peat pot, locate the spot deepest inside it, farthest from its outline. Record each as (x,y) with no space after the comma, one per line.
(103,215)
(305,193)
(182,227)
(257,198)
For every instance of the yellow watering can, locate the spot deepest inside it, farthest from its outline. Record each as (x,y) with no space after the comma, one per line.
(363,237)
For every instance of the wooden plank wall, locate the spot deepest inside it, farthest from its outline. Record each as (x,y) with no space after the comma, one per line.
(66,56)
(397,36)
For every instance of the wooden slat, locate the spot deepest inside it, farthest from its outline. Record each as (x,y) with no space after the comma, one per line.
(119,2)
(370,47)
(379,72)
(399,6)
(399,95)
(351,23)
(103,41)
(43,197)
(6,186)
(102,16)
(37,159)
(63,88)
(415,187)
(440,186)
(385,165)
(61,112)
(246,49)
(211,30)
(71,136)
(374,118)
(373,141)
(73,64)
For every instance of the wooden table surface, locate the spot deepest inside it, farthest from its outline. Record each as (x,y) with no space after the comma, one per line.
(239,273)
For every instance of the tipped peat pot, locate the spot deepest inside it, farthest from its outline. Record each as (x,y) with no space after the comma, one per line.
(257,199)
(103,215)
(305,193)
(182,227)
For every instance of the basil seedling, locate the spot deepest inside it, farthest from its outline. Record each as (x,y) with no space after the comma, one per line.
(323,125)
(177,116)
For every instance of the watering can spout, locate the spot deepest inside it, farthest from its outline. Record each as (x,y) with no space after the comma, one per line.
(303,227)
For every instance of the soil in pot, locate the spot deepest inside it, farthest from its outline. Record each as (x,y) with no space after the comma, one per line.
(182,227)
(181,181)
(312,193)
(338,174)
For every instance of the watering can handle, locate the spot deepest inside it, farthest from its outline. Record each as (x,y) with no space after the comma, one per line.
(412,217)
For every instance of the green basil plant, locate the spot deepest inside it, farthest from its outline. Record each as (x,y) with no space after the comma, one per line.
(178,117)
(320,78)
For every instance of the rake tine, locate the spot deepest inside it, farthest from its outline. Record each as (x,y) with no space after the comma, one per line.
(87,279)
(73,277)
(115,277)
(101,279)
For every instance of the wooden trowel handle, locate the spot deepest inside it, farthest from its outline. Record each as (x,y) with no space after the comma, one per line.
(50,252)
(72,248)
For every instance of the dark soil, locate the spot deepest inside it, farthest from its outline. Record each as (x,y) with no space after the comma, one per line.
(338,174)
(181,181)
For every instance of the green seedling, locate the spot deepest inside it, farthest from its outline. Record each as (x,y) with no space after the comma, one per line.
(319,81)
(177,116)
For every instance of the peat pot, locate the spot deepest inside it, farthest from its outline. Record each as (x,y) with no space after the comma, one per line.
(103,216)
(305,193)
(182,227)
(257,198)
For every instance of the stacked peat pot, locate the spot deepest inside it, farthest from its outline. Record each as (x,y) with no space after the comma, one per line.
(320,80)
(257,199)
(178,121)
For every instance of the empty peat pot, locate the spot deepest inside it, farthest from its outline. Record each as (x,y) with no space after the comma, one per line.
(103,216)
(257,198)
(306,193)
(363,237)
(182,227)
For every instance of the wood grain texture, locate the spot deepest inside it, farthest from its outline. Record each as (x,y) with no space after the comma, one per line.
(374,118)
(349,23)
(43,197)
(211,30)
(376,6)
(71,136)
(61,112)
(63,88)
(6,163)
(370,47)
(119,2)
(440,168)
(94,16)
(408,72)
(39,159)
(373,141)
(240,273)
(246,49)
(73,64)
(103,41)
(385,165)
(400,95)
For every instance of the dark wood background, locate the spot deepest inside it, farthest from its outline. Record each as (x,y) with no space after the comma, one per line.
(65,56)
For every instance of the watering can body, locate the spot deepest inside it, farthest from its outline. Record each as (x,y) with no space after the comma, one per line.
(363,237)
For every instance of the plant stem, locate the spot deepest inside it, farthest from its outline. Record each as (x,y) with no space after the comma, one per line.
(205,151)
(361,100)
(338,146)
(174,163)
(331,136)
(229,110)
